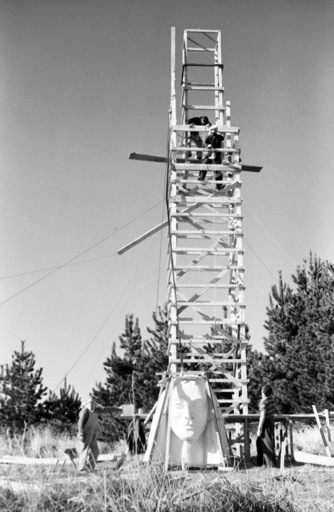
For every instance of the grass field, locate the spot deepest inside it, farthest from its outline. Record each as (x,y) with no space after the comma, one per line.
(141,487)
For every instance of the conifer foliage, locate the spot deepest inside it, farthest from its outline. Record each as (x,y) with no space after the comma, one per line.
(300,344)
(133,377)
(21,391)
(62,411)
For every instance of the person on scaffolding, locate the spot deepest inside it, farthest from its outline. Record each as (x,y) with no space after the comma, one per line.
(87,433)
(195,136)
(212,142)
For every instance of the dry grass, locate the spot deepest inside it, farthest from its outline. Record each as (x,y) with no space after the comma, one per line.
(147,488)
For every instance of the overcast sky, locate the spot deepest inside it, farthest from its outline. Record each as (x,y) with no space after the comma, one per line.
(86,82)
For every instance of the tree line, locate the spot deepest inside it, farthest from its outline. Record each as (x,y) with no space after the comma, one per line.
(298,361)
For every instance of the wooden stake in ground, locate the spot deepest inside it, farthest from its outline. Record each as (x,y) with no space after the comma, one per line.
(328,425)
(324,440)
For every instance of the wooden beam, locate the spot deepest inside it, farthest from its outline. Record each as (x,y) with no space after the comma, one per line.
(323,437)
(310,458)
(151,232)
(143,237)
(163,159)
(147,158)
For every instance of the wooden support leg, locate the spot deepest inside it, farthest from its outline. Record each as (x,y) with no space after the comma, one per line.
(324,440)
(246,440)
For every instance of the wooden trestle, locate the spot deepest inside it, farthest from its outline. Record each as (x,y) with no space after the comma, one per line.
(207,329)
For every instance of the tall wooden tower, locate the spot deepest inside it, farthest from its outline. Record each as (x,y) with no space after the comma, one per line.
(207,330)
(205,285)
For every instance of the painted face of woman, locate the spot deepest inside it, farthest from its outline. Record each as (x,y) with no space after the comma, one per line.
(189,410)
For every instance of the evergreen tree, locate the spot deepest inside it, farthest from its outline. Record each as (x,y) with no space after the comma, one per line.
(300,344)
(63,412)
(22,391)
(133,378)
(120,387)
(154,360)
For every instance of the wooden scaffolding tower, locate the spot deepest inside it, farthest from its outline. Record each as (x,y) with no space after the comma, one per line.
(207,329)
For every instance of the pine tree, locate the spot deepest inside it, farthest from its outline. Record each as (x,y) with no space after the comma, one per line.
(22,391)
(132,379)
(300,343)
(154,360)
(63,412)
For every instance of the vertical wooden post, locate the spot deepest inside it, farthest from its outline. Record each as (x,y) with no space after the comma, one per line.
(246,440)
(328,425)
(172,209)
(172,85)
(324,440)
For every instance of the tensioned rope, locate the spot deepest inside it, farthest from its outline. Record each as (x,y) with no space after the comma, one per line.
(278,245)
(269,234)
(133,283)
(71,260)
(161,231)
(136,274)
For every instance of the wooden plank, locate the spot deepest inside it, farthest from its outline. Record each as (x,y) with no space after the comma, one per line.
(218,200)
(173,75)
(203,88)
(194,64)
(205,232)
(211,268)
(310,458)
(198,342)
(205,129)
(32,461)
(220,427)
(147,158)
(163,159)
(323,437)
(251,168)
(328,425)
(234,402)
(194,252)
(207,360)
(282,458)
(195,167)
(228,285)
(210,303)
(143,237)
(150,232)
(220,321)
(195,30)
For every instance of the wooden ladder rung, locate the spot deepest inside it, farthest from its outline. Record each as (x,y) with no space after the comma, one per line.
(235,401)
(209,361)
(221,129)
(204,107)
(218,200)
(193,49)
(208,252)
(220,321)
(190,87)
(225,381)
(212,286)
(210,303)
(204,232)
(208,214)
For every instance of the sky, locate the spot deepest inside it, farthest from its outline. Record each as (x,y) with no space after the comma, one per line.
(85,83)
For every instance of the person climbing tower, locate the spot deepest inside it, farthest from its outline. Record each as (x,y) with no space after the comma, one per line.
(195,136)
(213,141)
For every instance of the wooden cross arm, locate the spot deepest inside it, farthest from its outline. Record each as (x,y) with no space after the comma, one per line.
(163,159)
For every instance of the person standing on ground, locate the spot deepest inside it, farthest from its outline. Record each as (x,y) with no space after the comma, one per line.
(87,433)
(265,442)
